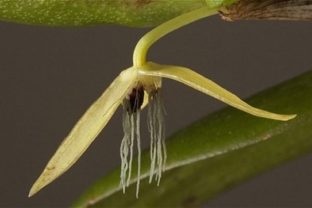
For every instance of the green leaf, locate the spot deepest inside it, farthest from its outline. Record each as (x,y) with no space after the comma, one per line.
(219,151)
(138,13)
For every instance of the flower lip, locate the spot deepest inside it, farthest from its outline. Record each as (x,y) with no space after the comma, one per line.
(135,98)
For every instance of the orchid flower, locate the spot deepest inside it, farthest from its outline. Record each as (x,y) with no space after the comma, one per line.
(135,88)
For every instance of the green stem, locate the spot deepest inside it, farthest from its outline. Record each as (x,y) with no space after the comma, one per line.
(140,51)
(137,13)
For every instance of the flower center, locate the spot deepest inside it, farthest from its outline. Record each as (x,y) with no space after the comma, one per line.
(135,99)
(146,91)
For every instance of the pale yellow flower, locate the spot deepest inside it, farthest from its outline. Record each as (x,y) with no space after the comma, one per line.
(135,88)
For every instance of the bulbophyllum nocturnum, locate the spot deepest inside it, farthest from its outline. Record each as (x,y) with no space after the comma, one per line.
(134,89)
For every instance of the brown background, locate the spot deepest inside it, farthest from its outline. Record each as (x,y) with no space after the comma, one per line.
(49,76)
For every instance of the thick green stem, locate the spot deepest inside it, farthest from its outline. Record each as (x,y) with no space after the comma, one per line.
(143,13)
(138,13)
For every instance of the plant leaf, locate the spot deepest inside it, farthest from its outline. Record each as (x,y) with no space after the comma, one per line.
(219,151)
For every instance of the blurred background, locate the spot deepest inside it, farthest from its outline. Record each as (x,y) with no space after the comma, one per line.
(49,76)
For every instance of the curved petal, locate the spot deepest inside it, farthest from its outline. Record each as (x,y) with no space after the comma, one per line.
(86,129)
(204,85)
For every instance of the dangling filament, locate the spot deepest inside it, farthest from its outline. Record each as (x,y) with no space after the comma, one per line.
(156,127)
(131,129)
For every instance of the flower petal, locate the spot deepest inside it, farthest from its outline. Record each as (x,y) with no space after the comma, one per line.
(204,85)
(86,129)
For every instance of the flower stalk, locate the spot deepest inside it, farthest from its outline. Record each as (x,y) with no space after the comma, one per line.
(140,51)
